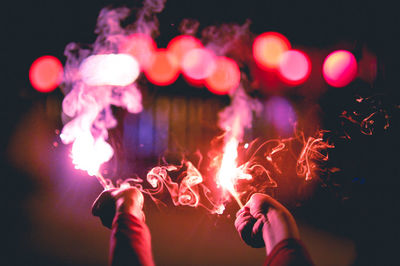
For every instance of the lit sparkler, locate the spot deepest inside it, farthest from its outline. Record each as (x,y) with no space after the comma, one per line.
(89,154)
(105,76)
(233,120)
(228,174)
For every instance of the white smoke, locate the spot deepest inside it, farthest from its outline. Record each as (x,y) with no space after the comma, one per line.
(95,78)
(238,116)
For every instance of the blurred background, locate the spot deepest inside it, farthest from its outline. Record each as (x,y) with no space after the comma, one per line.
(349,219)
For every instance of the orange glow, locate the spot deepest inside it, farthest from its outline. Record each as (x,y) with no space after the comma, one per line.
(268,49)
(163,69)
(339,68)
(46,73)
(141,47)
(198,63)
(182,44)
(225,77)
(294,67)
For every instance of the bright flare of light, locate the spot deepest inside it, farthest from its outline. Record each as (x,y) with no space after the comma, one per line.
(181,45)
(89,154)
(46,73)
(339,68)
(109,69)
(294,67)
(198,63)
(141,47)
(225,77)
(229,173)
(164,68)
(268,49)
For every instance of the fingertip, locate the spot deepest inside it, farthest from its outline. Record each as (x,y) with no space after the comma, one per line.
(242,210)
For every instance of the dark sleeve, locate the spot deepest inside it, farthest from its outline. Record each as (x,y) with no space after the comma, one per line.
(130,241)
(288,252)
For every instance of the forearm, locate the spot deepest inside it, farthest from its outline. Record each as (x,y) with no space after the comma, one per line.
(278,226)
(289,252)
(130,241)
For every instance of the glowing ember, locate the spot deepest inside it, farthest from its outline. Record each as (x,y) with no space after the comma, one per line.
(109,69)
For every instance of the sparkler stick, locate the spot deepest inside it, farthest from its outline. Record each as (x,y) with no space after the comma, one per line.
(235,196)
(102,181)
(229,173)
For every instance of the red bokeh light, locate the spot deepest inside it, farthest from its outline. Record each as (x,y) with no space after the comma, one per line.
(225,77)
(198,64)
(294,67)
(268,49)
(182,44)
(339,68)
(163,69)
(198,83)
(46,73)
(141,47)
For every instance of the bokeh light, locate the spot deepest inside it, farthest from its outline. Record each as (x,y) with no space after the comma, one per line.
(294,67)
(198,63)
(46,73)
(164,68)
(339,68)
(279,112)
(268,49)
(141,47)
(181,45)
(225,77)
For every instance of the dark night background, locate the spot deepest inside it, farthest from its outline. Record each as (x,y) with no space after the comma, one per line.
(46,218)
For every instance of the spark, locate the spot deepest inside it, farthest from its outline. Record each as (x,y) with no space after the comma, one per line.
(312,151)
(229,173)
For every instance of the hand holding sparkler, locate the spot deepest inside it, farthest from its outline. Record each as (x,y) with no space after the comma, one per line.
(263,221)
(120,209)
(125,200)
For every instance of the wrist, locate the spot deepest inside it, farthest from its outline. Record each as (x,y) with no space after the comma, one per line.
(129,206)
(278,226)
